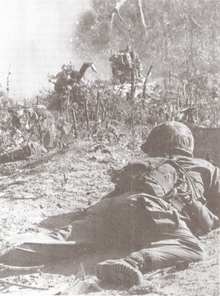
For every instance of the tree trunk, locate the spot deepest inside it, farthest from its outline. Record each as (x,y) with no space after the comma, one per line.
(142,16)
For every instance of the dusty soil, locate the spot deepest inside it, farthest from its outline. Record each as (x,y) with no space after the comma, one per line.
(47,194)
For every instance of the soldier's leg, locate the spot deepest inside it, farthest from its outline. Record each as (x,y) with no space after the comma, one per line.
(115,221)
(86,229)
(178,245)
(86,233)
(112,222)
(93,228)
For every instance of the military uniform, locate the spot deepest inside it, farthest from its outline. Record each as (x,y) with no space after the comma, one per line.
(177,197)
(157,209)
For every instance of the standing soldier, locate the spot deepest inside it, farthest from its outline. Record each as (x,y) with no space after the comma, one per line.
(123,63)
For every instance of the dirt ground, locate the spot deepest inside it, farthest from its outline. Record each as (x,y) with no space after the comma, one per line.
(45,195)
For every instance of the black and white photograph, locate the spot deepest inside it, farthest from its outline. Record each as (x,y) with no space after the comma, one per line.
(110,147)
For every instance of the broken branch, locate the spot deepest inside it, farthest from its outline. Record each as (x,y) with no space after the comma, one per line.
(38,161)
(11,248)
(26,268)
(21,285)
(3,186)
(116,11)
(145,81)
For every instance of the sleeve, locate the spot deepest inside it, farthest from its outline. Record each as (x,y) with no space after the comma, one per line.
(202,219)
(212,191)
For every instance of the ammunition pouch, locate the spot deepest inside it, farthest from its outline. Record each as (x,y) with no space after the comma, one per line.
(177,203)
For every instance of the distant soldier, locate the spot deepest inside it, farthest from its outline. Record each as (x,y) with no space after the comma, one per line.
(62,80)
(123,63)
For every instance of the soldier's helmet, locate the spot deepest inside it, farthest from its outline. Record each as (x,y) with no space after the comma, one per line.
(169,138)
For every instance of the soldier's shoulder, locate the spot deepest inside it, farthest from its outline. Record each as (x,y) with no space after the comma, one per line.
(147,160)
(196,161)
(202,161)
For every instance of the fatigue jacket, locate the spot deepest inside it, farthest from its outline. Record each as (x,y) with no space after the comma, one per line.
(191,185)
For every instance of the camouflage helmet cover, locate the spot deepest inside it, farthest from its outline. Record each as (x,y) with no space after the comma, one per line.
(171,137)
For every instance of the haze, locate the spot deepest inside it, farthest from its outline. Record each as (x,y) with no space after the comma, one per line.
(36,40)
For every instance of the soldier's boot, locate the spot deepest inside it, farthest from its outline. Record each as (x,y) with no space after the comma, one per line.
(119,272)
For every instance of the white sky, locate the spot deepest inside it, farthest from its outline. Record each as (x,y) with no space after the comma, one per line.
(35,41)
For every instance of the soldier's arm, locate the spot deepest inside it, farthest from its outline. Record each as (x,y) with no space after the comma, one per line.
(205,217)
(212,189)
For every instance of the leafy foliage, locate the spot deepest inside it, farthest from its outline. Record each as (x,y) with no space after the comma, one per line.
(181,37)
(178,41)
(107,111)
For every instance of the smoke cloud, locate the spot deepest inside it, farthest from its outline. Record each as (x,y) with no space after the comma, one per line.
(36,40)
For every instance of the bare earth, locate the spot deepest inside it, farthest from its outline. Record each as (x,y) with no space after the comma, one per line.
(46,196)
